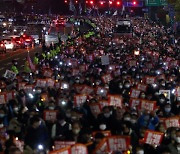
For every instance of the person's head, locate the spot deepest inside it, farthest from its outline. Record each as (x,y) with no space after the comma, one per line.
(2,113)
(76,127)
(177,137)
(142,95)
(51,105)
(167,108)
(126,127)
(86,136)
(98,137)
(127,116)
(61,117)
(35,122)
(161,128)
(134,117)
(106,112)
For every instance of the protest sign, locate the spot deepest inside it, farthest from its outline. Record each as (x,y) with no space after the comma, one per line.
(147,105)
(105,60)
(50,115)
(118,143)
(62,144)
(134,93)
(79,149)
(172,122)
(79,99)
(10,75)
(115,100)
(153,138)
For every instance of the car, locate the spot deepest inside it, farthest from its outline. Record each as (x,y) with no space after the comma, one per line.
(9,43)
(2,47)
(60,22)
(28,40)
(19,41)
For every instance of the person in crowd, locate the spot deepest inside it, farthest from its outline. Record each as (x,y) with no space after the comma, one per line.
(75,95)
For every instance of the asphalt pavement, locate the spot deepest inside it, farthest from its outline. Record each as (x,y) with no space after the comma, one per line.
(20,55)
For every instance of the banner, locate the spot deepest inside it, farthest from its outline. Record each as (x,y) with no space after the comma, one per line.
(10,75)
(105,60)
(107,78)
(79,149)
(134,93)
(50,115)
(50,82)
(142,87)
(115,100)
(150,79)
(153,138)
(106,133)
(102,147)
(79,99)
(172,122)
(134,102)
(118,143)
(101,91)
(63,144)
(147,105)
(41,83)
(103,103)
(87,90)
(28,88)
(62,151)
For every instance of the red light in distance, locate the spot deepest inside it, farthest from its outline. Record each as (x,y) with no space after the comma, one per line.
(118,3)
(134,3)
(110,2)
(91,2)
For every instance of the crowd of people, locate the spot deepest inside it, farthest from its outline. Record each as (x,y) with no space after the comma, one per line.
(109,95)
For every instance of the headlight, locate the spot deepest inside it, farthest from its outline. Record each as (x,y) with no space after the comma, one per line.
(40,147)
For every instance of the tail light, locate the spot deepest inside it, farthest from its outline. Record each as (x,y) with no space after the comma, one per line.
(2,45)
(28,40)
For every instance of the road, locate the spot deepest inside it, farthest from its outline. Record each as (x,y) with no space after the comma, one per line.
(21,54)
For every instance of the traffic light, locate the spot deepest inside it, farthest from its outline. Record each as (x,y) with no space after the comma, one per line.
(65,1)
(87,2)
(76,2)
